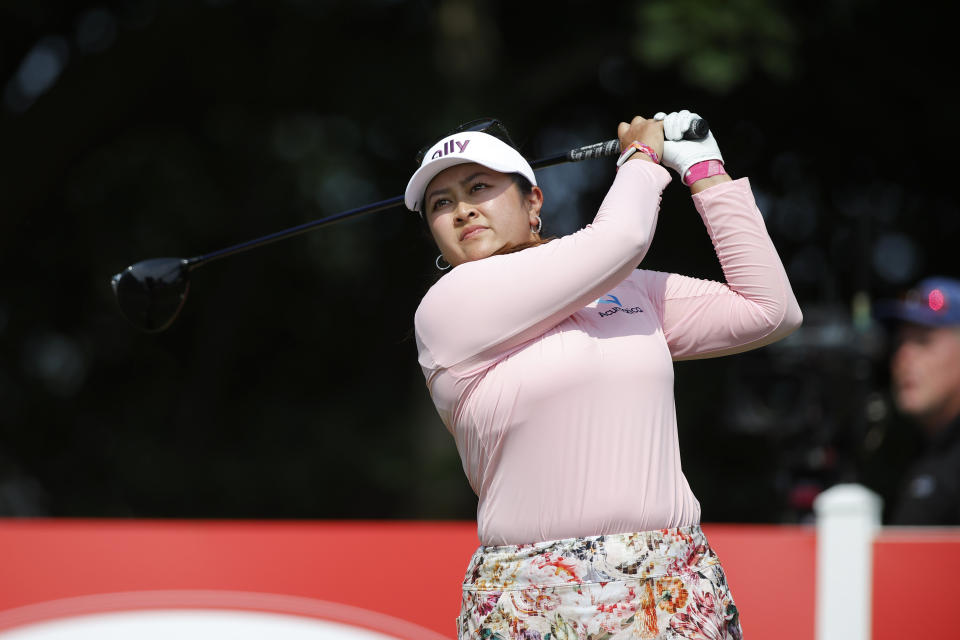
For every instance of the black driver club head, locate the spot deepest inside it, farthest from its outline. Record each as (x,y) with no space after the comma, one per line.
(151,293)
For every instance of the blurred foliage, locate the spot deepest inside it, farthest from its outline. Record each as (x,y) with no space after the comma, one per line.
(289,387)
(717,45)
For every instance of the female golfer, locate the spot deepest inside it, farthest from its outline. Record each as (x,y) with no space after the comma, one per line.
(551,366)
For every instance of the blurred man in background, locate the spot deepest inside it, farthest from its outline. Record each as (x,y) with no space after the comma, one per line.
(925,376)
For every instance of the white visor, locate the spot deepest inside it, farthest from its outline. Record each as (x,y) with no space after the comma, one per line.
(460,148)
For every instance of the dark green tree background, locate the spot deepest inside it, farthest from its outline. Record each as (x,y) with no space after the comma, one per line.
(289,387)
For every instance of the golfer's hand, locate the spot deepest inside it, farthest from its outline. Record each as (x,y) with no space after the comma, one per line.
(680,154)
(648,132)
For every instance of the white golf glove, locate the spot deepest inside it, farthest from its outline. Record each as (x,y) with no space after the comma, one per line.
(680,154)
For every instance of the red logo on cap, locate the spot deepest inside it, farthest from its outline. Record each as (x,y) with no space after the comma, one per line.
(936,300)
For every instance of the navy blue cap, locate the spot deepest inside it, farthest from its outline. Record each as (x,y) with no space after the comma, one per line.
(933,302)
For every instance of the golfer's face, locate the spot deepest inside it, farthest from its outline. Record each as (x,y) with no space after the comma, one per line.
(474,212)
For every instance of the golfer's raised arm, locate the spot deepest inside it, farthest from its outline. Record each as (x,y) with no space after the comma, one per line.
(486,307)
(754,307)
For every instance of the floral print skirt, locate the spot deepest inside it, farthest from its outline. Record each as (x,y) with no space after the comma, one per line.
(652,584)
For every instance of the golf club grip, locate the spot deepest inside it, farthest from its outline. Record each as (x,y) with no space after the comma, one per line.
(598,150)
(698,130)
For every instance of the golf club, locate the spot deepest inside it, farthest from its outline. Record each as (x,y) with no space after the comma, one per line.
(151,293)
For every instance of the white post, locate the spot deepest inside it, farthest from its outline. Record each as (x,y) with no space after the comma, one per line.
(848,518)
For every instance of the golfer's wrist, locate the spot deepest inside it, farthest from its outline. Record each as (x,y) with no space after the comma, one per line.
(635,149)
(706,183)
(702,170)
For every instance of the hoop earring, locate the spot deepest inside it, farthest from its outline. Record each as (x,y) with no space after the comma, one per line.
(539,226)
(437,262)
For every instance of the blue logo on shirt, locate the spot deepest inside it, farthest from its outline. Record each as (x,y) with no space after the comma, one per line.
(612,299)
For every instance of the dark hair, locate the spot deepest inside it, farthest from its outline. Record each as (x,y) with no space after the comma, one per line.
(522,182)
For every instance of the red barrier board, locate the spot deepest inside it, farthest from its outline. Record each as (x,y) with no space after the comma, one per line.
(915,583)
(771,570)
(382,567)
(397,578)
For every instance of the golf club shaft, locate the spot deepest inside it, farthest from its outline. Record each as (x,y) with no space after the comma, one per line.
(698,129)
(193,263)
(598,150)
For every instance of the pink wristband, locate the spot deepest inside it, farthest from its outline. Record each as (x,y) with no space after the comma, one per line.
(632,148)
(702,170)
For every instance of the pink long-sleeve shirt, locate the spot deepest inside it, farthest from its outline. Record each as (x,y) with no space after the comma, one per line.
(552,366)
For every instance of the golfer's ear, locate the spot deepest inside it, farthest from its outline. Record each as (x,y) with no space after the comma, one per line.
(534,199)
